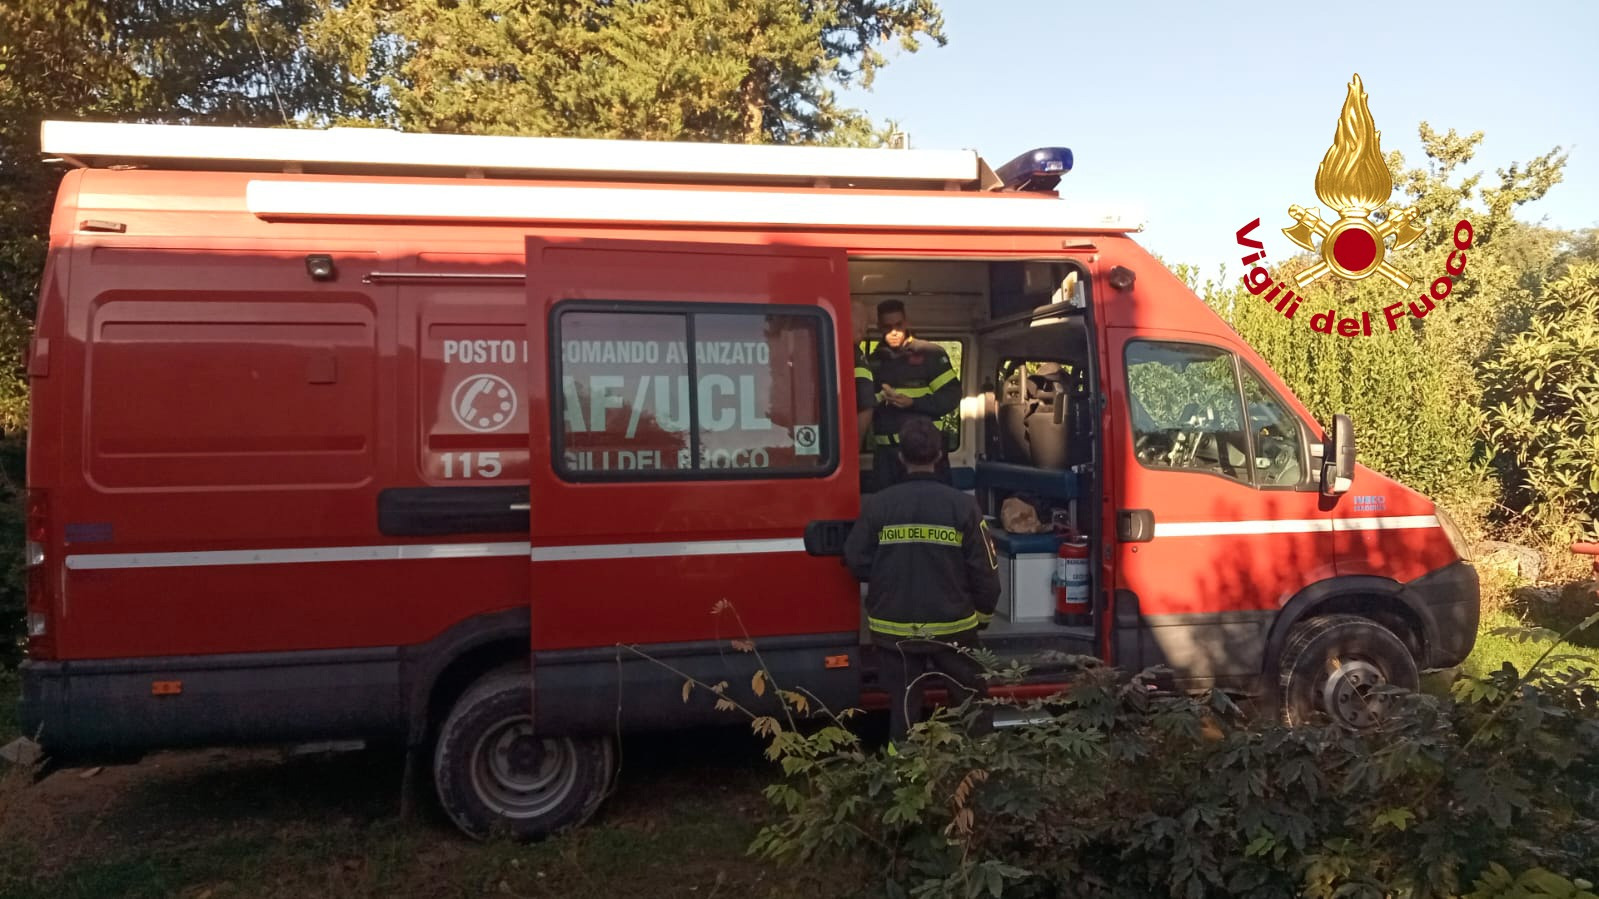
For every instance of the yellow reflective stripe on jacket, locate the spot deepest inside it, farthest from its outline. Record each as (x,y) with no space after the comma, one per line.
(941,380)
(863,373)
(920,533)
(887,439)
(914,392)
(922,628)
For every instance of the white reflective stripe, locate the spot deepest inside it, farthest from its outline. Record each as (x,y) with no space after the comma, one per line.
(408,552)
(1395,523)
(657,550)
(1291,526)
(1232,528)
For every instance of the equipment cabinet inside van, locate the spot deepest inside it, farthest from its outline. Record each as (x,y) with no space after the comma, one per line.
(483,443)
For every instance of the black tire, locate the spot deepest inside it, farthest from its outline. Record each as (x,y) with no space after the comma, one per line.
(494,777)
(1329,665)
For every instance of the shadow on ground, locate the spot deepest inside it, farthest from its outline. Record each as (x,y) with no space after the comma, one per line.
(236,823)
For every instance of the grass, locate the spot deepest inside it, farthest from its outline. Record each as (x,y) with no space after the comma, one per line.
(1493,650)
(219,826)
(1566,599)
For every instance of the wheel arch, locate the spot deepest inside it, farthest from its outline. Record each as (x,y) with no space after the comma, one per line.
(1380,599)
(443,668)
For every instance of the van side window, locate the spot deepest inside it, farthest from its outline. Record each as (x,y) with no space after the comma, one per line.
(1186,410)
(1275,436)
(761,405)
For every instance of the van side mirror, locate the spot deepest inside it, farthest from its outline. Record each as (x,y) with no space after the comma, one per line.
(1338,466)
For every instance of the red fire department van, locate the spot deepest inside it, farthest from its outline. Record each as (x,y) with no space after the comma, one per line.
(354,435)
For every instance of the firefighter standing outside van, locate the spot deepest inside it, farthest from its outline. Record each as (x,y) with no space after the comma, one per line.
(933,577)
(917,382)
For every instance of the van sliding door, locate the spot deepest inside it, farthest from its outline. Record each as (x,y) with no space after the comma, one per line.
(685,425)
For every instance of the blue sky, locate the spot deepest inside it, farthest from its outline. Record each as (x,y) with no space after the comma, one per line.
(1207,115)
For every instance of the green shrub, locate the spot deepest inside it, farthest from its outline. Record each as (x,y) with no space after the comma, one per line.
(1541,392)
(1490,792)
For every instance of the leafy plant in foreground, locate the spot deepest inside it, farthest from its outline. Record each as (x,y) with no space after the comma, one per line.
(1119,791)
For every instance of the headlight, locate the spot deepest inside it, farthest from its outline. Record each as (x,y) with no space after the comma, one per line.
(1456,539)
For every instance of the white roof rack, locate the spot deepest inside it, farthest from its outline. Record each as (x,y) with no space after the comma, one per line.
(389,152)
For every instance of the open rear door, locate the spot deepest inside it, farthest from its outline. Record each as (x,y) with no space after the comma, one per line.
(685,427)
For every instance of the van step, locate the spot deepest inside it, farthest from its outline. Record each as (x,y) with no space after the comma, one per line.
(1004,718)
(1043,667)
(1049,664)
(325,747)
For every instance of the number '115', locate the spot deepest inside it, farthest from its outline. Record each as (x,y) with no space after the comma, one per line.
(461,465)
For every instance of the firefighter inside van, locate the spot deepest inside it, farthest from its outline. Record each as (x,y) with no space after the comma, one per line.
(933,579)
(918,383)
(865,392)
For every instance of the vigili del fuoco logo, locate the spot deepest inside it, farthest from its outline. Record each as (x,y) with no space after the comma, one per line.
(1353,180)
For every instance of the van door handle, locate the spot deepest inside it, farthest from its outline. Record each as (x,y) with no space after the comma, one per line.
(1135,525)
(520,507)
(827,536)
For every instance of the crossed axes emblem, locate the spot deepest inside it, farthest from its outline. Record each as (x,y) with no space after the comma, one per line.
(1363,240)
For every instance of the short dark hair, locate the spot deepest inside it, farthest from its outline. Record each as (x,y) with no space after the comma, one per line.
(920,441)
(888,306)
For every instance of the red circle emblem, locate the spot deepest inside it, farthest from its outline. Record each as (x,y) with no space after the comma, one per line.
(1355,249)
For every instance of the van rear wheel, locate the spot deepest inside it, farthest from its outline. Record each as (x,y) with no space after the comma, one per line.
(494,775)
(1332,666)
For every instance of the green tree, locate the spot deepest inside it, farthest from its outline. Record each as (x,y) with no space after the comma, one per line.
(1542,394)
(1510,259)
(744,71)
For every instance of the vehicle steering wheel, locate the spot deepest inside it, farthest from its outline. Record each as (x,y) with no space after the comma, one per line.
(1152,447)
(1193,434)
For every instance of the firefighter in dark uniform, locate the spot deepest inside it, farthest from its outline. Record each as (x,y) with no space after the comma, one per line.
(865,393)
(917,381)
(933,580)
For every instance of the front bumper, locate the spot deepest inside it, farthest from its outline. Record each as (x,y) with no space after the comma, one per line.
(1452,597)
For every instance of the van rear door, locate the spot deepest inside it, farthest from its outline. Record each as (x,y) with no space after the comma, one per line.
(684,425)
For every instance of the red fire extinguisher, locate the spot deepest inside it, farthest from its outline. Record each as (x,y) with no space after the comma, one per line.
(1071,581)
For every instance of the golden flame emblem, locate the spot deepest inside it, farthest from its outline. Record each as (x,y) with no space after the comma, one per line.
(1353,179)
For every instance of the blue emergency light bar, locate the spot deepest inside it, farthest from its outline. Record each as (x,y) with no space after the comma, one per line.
(1036,170)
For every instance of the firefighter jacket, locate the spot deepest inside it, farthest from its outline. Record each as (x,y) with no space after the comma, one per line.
(921,371)
(924,549)
(865,386)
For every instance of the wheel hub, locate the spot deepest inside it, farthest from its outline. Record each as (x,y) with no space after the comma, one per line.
(524,755)
(1349,695)
(519,774)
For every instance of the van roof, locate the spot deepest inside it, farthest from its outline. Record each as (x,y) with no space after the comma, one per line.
(372,174)
(346,150)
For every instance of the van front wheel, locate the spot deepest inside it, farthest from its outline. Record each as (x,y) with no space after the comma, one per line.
(495,776)
(1332,665)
